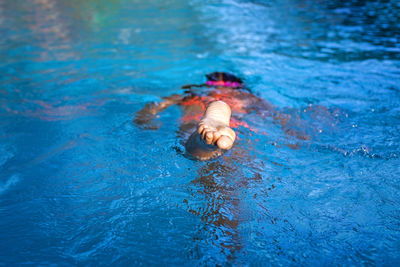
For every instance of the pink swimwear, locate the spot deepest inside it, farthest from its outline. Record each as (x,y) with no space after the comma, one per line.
(224,84)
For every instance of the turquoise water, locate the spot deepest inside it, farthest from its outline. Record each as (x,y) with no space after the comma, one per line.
(80,184)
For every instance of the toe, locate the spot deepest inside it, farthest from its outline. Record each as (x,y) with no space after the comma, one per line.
(217,135)
(225,142)
(200,129)
(209,137)
(203,134)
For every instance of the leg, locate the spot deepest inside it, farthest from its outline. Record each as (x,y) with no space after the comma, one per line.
(213,135)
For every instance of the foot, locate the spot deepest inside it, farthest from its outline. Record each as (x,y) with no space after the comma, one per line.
(214,126)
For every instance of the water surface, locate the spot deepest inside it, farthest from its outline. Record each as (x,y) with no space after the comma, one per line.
(80,184)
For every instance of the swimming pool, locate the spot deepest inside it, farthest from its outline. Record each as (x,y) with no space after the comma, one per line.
(80,184)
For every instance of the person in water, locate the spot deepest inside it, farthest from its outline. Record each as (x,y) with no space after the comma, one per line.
(209,111)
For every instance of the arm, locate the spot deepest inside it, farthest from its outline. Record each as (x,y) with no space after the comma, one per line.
(291,124)
(149,111)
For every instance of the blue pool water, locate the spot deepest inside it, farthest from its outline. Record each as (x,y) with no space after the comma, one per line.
(81,184)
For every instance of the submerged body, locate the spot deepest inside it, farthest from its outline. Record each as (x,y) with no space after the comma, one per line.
(208,117)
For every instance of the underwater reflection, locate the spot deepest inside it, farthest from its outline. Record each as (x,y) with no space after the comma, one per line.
(221,211)
(49,27)
(224,195)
